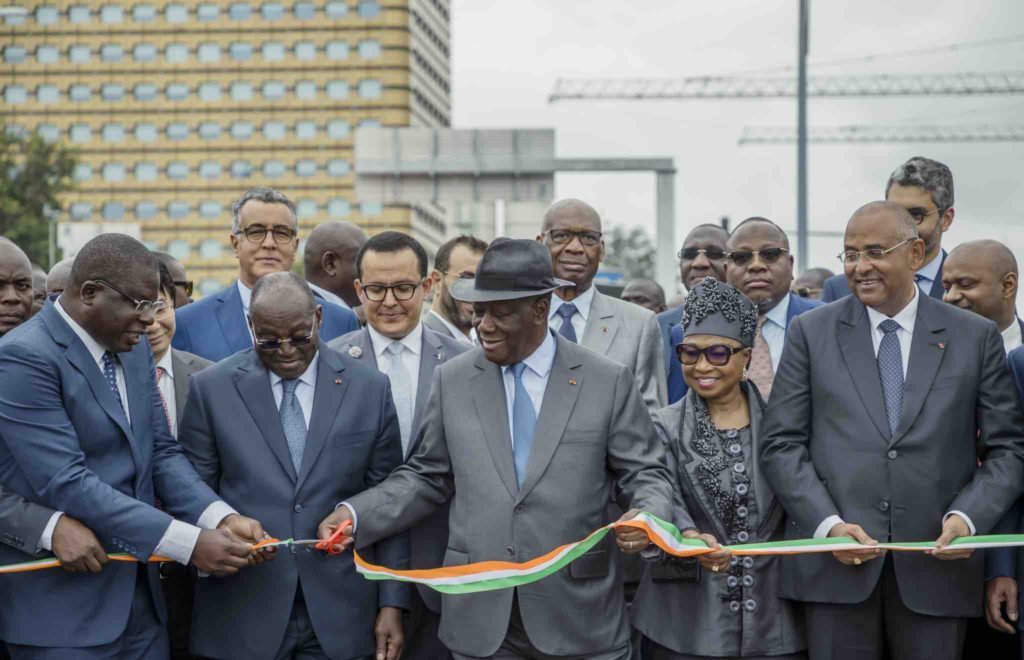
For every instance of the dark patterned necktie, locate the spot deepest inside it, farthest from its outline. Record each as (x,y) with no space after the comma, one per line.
(110,374)
(890,369)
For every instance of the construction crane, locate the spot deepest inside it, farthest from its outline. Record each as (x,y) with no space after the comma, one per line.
(867,134)
(753,87)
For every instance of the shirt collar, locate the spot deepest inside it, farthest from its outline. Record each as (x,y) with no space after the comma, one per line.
(246,294)
(91,345)
(542,359)
(166,365)
(906,316)
(930,270)
(412,341)
(777,314)
(456,333)
(309,377)
(582,302)
(1012,335)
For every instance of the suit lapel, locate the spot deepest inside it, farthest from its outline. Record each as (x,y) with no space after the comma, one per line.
(327,401)
(854,335)
(564,383)
(253,385)
(231,317)
(602,325)
(937,291)
(431,356)
(489,398)
(182,372)
(927,347)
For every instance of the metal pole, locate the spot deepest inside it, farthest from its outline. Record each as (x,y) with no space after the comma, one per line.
(801,146)
(51,221)
(666,272)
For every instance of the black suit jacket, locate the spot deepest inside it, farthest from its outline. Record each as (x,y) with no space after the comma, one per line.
(827,449)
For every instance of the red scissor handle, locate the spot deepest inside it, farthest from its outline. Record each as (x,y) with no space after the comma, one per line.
(339,535)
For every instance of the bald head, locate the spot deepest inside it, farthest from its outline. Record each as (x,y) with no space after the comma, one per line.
(646,293)
(981,276)
(330,257)
(575,210)
(57,278)
(898,217)
(885,250)
(15,286)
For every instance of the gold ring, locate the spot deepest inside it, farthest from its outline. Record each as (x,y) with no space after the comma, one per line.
(715,568)
(629,545)
(856,561)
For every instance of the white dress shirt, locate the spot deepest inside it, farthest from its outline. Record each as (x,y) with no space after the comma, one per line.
(246,294)
(165,384)
(304,391)
(1012,336)
(774,331)
(180,539)
(906,318)
(328,296)
(579,319)
(535,378)
(413,343)
(928,273)
(456,333)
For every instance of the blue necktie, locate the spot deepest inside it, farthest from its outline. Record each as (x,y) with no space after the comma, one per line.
(524,421)
(110,374)
(567,311)
(890,369)
(401,391)
(293,421)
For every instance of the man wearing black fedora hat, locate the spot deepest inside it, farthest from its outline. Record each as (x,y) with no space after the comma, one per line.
(527,435)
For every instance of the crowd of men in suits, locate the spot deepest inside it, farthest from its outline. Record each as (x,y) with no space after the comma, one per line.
(493,405)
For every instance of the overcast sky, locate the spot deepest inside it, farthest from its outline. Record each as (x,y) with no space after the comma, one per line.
(507,55)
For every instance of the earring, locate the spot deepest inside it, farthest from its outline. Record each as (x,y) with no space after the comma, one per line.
(746,373)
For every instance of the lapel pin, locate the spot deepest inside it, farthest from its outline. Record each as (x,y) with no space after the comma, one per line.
(572,381)
(941,344)
(604,329)
(439,356)
(355,352)
(337,381)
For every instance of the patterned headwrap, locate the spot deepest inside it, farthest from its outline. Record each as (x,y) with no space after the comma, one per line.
(716,308)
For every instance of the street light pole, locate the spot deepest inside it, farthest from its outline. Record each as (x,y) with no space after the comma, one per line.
(801,146)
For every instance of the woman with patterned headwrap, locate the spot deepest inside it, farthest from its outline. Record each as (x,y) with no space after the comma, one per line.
(719,605)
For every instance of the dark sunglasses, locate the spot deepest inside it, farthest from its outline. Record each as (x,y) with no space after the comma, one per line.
(745,257)
(716,354)
(274,344)
(691,253)
(185,284)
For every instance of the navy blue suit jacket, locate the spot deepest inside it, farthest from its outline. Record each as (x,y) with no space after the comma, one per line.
(215,327)
(232,432)
(67,444)
(837,286)
(666,321)
(677,386)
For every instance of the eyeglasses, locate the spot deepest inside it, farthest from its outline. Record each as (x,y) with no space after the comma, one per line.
(717,354)
(873,254)
(258,233)
(919,214)
(691,253)
(563,236)
(769,256)
(274,344)
(141,306)
(186,285)
(402,291)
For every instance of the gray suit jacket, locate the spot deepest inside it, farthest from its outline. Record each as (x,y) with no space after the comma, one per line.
(436,325)
(629,335)
(185,365)
(428,539)
(593,434)
(827,449)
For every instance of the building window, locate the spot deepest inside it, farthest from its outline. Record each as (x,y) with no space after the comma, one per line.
(144,92)
(207,12)
(111,14)
(305,90)
(15,94)
(112,92)
(209,91)
(47,15)
(175,13)
(369,9)
(305,130)
(273,51)
(177,169)
(305,208)
(145,210)
(336,50)
(240,51)
(305,168)
(46,94)
(83,172)
(79,54)
(176,91)
(304,11)
(338,208)
(273,130)
(208,53)
(209,169)
(144,52)
(178,248)
(210,248)
(240,11)
(113,172)
(337,90)
(370,88)
(112,133)
(48,132)
(241,130)
(241,169)
(79,93)
(209,209)
(369,49)
(81,211)
(368,123)
(241,91)
(177,210)
(336,10)
(79,14)
(113,211)
(111,52)
(209,130)
(273,169)
(272,11)
(337,129)
(176,53)
(145,171)
(371,209)
(80,133)
(305,50)
(177,131)
(338,167)
(47,54)
(14,54)
(273,90)
(145,133)
(143,13)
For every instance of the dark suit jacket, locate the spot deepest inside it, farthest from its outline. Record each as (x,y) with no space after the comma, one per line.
(215,327)
(827,449)
(185,365)
(67,444)
(677,386)
(232,433)
(667,320)
(837,286)
(429,538)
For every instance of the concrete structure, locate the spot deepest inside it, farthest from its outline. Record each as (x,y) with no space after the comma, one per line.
(177,107)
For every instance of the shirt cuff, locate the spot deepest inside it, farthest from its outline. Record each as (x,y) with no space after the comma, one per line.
(650,553)
(214,515)
(826,526)
(46,540)
(355,518)
(178,542)
(970,524)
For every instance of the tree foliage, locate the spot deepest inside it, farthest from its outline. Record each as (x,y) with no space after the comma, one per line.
(630,251)
(34,174)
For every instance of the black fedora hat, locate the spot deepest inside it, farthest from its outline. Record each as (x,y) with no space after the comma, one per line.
(510,269)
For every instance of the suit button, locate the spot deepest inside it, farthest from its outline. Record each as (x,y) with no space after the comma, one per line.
(750,605)
(732,581)
(510,551)
(883,506)
(735,606)
(748,562)
(520,508)
(298,508)
(892,453)
(748,581)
